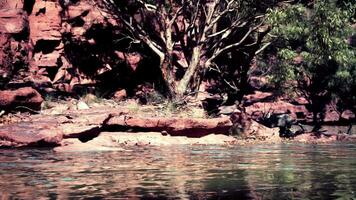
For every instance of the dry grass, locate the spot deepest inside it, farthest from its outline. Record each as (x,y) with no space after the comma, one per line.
(158,107)
(166,109)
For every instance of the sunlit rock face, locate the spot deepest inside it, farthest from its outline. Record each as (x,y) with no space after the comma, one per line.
(45,32)
(13,35)
(27,97)
(42,133)
(12,21)
(68,46)
(45,35)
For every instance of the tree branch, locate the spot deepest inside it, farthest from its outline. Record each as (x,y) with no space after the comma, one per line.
(149,7)
(221,14)
(228,47)
(262,48)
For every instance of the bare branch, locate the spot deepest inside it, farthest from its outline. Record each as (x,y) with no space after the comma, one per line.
(137,30)
(228,47)
(149,7)
(262,48)
(221,14)
(195,17)
(176,14)
(227,31)
(232,86)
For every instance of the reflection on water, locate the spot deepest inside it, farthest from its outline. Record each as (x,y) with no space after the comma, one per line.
(287,171)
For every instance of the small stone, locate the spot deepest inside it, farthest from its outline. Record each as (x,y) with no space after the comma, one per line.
(227,110)
(82,106)
(120,95)
(164,133)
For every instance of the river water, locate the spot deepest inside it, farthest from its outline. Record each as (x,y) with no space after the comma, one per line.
(284,171)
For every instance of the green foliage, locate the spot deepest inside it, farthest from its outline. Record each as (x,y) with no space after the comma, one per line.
(311,50)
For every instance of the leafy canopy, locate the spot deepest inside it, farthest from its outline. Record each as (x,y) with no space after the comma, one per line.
(310,44)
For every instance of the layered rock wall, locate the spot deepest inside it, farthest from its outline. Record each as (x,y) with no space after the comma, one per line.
(41,34)
(14,29)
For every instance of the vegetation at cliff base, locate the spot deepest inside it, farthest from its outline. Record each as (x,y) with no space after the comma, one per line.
(311,53)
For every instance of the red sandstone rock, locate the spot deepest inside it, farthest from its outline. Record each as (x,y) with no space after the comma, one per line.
(75,145)
(257,110)
(26,97)
(332,116)
(11,4)
(258,82)
(112,141)
(258,96)
(300,101)
(45,35)
(174,126)
(47,60)
(347,115)
(78,10)
(12,21)
(311,138)
(327,138)
(28,134)
(120,95)
(133,59)
(346,138)
(89,14)
(45,21)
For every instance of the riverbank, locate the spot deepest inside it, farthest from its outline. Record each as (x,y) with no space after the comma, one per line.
(108,126)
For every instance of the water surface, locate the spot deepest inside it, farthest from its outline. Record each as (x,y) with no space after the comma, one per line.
(286,171)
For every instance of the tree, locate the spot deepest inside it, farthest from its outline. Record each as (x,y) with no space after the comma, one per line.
(196,33)
(311,50)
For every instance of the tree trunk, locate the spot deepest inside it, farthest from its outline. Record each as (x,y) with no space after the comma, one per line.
(168,77)
(189,74)
(167,63)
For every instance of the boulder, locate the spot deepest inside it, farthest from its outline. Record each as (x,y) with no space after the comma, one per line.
(244,127)
(45,21)
(120,95)
(11,4)
(45,33)
(82,106)
(348,115)
(23,134)
(191,127)
(258,110)
(13,21)
(47,59)
(312,138)
(26,97)
(257,96)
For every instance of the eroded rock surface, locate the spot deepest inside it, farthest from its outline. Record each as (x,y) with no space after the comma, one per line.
(24,97)
(174,126)
(86,125)
(259,109)
(113,141)
(108,129)
(40,134)
(13,21)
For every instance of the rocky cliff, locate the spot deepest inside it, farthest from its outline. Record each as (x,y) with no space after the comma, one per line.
(55,43)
